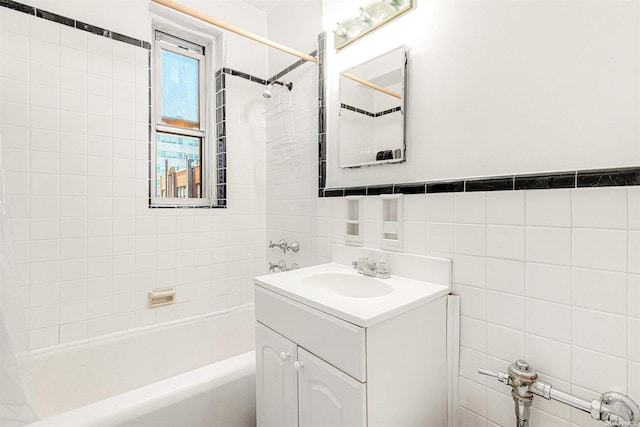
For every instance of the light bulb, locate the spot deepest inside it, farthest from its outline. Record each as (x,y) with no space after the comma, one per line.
(340,30)
(364,15)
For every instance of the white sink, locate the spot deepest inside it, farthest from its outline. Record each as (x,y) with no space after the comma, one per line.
(347,285)
(337,289)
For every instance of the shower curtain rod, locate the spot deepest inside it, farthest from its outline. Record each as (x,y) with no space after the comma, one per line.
(372,85)
(216,22)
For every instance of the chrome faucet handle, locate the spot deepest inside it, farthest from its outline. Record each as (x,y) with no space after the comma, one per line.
(487,372)
(382,266)
(294,246)
(500,376)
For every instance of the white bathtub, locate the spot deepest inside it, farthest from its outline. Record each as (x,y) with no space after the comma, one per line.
(195,373)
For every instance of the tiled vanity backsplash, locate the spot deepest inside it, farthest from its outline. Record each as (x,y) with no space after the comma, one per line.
(552,276)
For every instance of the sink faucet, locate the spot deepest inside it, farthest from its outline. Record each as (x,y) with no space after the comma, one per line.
(377,269)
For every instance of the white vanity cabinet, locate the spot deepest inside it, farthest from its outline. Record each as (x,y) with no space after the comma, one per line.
(276,380)
(297,388)
(315,369)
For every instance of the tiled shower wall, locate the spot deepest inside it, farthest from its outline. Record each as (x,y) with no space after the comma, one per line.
(292,168)
(74,122)
(551,276)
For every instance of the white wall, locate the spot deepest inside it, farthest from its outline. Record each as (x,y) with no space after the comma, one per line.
(504,87)
(296,24)
(74,123)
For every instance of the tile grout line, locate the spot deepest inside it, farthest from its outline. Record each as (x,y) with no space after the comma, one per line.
(571,352)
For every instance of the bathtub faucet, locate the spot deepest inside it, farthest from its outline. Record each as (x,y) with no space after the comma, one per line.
(282,266)
(613,408)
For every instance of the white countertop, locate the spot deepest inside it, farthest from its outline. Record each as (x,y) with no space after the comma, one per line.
(406,295)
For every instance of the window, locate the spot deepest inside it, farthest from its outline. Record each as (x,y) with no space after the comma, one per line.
(179,140)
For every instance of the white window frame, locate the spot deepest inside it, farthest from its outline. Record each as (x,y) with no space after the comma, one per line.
(183,43)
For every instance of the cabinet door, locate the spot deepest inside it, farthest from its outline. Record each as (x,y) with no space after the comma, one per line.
(276,380)
(328,396)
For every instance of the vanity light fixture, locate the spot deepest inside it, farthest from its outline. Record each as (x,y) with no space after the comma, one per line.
(364,15)
(371,17)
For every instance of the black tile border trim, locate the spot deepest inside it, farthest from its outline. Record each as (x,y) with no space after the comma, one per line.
(322,114)
(367,113)
(545,182)
(259,80)
(489,184)
(445,187)
(590,178)
(70,22)
(609,177)
(291,67)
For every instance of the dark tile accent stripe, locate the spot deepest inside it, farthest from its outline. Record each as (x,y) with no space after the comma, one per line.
(389,111)
(445,187)
(545,182)
(18,6)
(368,113)
(579,179)
(410,188)
(70,22)
(375,190)
(242,75)
(291,67)
(322,113)
(491,184)
(126,39)
(260,80)
(609,177)
(355,191)
(55,18)
(221,142)
(322,174)
(334,192)
(356,110)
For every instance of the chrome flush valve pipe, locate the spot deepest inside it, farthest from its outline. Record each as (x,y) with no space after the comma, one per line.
(520,377)
(613,408)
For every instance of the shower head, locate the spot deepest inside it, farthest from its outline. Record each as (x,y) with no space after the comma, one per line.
(267,91)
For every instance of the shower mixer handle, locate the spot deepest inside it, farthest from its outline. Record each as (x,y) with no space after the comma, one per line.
(284,246)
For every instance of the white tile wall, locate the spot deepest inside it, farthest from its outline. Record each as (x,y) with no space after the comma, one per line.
(294,212)
(74,111)
(546,275)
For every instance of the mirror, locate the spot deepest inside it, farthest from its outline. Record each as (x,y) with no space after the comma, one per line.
(372,111)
